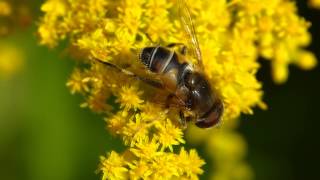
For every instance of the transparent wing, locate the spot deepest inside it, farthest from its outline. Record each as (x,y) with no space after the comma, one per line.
(187,23)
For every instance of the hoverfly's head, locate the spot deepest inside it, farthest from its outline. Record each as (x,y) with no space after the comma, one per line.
(146,55)
(212,117)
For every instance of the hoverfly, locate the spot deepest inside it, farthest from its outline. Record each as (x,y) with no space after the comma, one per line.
(188,87)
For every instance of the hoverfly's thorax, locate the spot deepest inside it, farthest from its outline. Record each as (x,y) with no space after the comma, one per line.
(200,92)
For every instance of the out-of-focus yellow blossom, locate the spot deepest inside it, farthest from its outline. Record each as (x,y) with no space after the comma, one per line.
(5,8)
(78,83)
(314,3)
(226,148)
(11,60)
(232,36)
(14,15)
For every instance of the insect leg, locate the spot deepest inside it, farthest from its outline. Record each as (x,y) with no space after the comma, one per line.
(131,74)
(183,47)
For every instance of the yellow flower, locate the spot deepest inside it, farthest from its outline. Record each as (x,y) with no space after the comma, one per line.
(314,3)
(146,149)
(11,60)
(5,8)
(135,131)
(14,15)
(307,60)
(226,146)
(233,170)
(169,135)
(116,122)
(78,82)
(139,170)
(164,167)
(113,167)
(151,112)
(129,97)
(191,163)
(95,103)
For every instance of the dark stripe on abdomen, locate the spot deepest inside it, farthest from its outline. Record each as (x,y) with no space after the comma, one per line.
(160,59)
(173,63)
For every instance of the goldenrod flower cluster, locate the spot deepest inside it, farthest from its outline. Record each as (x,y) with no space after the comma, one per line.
(5,12)
(232,35)
(11,56)
(5,8)
(13,15)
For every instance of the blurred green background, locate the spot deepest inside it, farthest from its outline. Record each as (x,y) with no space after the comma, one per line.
(44,134)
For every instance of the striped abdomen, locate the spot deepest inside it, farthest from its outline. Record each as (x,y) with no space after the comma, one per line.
(159,59)
(164,62)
